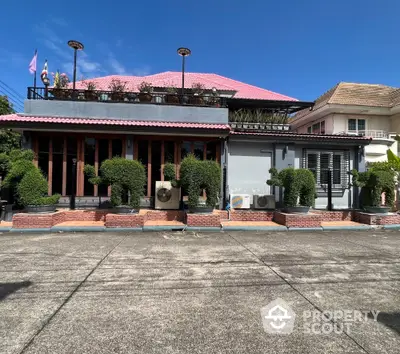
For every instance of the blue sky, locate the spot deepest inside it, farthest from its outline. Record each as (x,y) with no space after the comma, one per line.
(297,48)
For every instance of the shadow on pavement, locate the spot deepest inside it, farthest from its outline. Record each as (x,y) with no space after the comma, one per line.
(389,319)
(9,288)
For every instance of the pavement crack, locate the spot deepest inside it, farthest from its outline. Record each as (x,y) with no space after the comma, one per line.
(298,292)
(48,320)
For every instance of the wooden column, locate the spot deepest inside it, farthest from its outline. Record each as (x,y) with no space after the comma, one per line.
(192,147)
(204,158)
(82,164)
(123,153)
(96,166)
(78,164)
(109,156)
(149,168)
(162,160)
(135,149)
(64,171)
(36,150)
(218,152)
(50,173)
(177,158)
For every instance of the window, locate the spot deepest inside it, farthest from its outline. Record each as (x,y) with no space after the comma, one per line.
(356,125)
(321,162)
(317,128)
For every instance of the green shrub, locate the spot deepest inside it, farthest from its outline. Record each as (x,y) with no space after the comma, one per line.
(169,172)
(27,180)
(123,176)
(299,186)
(196,175)
(373,183)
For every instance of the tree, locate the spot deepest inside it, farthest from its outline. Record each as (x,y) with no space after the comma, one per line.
(9,139)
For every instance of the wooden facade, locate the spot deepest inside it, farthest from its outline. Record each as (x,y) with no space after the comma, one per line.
(54,153)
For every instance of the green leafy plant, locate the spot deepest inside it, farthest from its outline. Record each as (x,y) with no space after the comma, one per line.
(26,179)
(123,176)
(117,86)
(90,85)
(196,175)
(373,183)
(299,186)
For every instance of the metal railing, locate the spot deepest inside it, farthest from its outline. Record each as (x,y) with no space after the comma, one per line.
(203,100)
(375,134)
(245,126)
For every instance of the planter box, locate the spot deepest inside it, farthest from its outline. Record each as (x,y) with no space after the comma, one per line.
(251,215)
(377,219)
(124,220)
(203,220)
(298,220)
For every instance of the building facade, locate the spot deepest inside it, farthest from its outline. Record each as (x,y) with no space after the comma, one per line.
(68,129)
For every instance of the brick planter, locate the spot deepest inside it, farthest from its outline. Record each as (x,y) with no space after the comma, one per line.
(337,215)
(164,215)
(377,219)
(85,215)
(298,220)
(251,215)
(37,221)
(119,220)
(203,220)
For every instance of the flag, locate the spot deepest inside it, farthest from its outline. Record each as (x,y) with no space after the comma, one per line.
(44,73)
(32,65)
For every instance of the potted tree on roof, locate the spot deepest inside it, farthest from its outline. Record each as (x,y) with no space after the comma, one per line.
(60,85)
(117,88)
(90,94)
(198,91)
(172,95)
(145,91)
(299,188)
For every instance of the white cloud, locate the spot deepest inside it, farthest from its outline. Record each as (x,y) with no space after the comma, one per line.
(116,66)
(142,71)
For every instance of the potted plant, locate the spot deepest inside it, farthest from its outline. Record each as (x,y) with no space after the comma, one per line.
(90,94)
(214,98)
(172,95)
(117,88)
(145,90)
(374,183)
(126,177)
(197,175)
(60,85)
(299,188)
(197,97)
(29,184)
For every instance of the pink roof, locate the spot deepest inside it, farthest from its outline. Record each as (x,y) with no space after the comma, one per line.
(70,120)
(170,78)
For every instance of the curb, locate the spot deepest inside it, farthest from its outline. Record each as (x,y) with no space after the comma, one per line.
(305,229)
(123,229)
(29,230)
(348,228)
(203,228)
(5,229)
(77,228)
(391,227)
(164,228)
(254,228)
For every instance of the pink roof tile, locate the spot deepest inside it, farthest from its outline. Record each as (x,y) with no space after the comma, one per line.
(305,136)
(171,78)
(132,123)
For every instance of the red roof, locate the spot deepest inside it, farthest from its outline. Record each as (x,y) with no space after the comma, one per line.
(303,136)
(170,78)
(70,120)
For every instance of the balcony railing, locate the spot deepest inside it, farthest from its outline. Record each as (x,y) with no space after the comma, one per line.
(375,134)
(203,100)
(249,126)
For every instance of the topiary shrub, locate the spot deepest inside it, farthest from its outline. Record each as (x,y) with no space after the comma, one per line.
(196,175)
(123,176)
(373,183)
(170,175)
(27,180)
(299,186)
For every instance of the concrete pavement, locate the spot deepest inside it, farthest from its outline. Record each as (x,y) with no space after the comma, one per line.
(167,292)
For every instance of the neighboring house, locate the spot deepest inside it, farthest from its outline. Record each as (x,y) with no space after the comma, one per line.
(68,128)
(356,109)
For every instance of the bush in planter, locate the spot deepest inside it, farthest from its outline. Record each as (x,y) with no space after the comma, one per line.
(299,186)
(27,180)
(196,175)
(373,183)
(123,176)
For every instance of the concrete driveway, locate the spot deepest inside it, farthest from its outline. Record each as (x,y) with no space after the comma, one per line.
(198,293)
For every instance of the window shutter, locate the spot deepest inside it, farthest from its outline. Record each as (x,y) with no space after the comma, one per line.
(345,169)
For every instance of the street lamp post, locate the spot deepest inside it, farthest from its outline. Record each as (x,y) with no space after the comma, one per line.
(76,46)
(183,52)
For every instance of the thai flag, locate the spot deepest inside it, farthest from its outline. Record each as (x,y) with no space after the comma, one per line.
(45,72)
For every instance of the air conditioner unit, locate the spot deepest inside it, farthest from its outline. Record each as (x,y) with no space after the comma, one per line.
(264,201)
(167,197)
(240,201)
